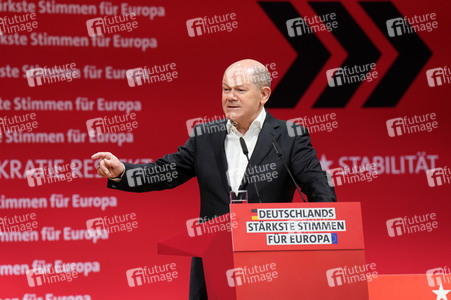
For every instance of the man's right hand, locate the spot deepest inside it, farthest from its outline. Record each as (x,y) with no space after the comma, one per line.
(109,165)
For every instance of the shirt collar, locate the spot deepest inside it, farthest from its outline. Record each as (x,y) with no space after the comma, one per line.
(256,124)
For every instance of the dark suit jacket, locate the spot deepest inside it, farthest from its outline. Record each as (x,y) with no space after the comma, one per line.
(203,156)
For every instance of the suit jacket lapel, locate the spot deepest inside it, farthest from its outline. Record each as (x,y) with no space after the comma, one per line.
(264,143)
(217,144)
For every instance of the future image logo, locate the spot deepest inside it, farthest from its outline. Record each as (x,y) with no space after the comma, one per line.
(165,273)
(113,24)
(438,176)
(410,225)
(351,274)
(252,274)
(438,76)
(208,25)
(401,26)
(309,25)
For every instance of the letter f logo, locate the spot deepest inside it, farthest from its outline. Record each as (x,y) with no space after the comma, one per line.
(395,227)
(435,177)
(95,126)
(35,277)
(335,77)
(35,177)
(295,127)
(195,27)
(335,177)
(395,127)
(95,27)
(235,277)
(193,227)
(136,76)
(135,277)
(434,277)
(135,177)
(435,77)
(395,27)
(295,27)
(95,226)
(33,74)
(335,277)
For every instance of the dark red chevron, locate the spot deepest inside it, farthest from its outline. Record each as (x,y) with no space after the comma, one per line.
(413,55)
(312,56)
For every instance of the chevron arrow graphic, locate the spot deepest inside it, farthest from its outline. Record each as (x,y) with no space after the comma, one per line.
(413,55)
(312,55)
(361,51)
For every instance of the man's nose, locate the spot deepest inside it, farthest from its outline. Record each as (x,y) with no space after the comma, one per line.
(232,96)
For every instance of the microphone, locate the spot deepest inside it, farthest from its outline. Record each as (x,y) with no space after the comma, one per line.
(246,152)
(280,154)
(244,147)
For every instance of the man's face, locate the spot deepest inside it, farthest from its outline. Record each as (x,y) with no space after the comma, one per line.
(241,99)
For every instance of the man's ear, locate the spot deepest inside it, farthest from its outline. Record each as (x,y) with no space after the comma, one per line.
(265,93)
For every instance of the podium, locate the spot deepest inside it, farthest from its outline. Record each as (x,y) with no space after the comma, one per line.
(279,251)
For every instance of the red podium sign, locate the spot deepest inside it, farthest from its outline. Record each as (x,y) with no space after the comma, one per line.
(298,251)
(291,226)
(280,251)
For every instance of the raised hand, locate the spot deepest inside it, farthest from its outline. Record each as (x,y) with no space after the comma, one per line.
(109,165)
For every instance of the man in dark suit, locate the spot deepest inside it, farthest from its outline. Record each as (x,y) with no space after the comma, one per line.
(214,155)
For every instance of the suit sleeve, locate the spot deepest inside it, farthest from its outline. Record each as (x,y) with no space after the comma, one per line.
(308,172)
(165,173)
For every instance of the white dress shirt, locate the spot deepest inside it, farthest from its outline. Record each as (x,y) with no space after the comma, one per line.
(236,160)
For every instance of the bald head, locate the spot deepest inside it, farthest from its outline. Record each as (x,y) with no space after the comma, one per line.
(248,70)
